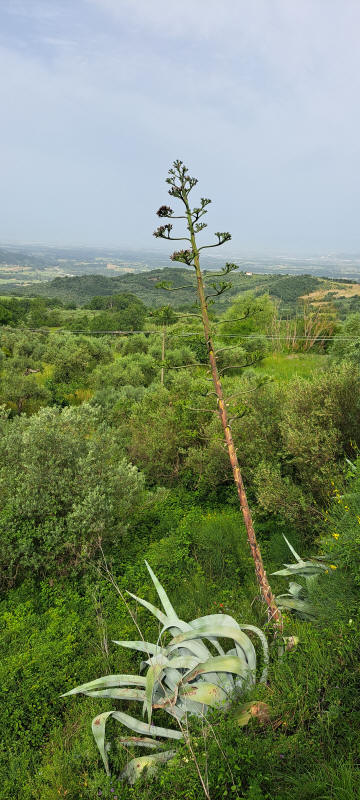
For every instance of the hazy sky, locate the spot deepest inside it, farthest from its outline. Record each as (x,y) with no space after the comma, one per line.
(260,98)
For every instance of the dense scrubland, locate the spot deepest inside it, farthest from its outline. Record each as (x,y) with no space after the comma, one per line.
(111,454)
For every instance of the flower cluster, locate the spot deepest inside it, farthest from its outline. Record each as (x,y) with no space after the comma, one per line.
(163,231)
(184,256)
(165,211)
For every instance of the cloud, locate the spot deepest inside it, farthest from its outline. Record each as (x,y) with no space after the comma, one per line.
(261,97)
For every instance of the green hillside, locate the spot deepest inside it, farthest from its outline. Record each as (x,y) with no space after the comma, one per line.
(144,285)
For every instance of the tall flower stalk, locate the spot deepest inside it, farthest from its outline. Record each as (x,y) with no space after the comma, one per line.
(181,183)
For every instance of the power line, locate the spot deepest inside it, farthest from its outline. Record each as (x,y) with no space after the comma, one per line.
(267,336)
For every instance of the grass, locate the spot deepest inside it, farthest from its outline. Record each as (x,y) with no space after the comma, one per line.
(283,367)
(47,372)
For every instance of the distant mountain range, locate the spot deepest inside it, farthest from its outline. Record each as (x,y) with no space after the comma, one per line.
(27,264)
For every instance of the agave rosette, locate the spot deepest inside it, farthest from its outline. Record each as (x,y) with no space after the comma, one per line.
(182,677)
(296,599)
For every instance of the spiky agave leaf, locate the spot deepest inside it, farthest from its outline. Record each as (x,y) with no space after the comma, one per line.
(152,676)
(150,607)
(292,550)
(232,664)
(302,566)
(136,766)
(119,693)
(98,728)
(206,693)
(142,646)
(218,628)
(165,602)
(265,648)
(247,711)
(99,724)
(140,741)
(106,682)
(302,607)
(142,727)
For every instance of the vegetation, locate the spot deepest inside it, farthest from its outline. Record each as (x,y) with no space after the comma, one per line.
(183,677)
(111,454)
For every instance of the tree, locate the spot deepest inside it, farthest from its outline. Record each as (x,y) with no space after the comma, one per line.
(65,488)
(124,312)
(346,344)
(181,184)
(18,388)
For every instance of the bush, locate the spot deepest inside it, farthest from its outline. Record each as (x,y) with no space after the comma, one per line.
(65,487)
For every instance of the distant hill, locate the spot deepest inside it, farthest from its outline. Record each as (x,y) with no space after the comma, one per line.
(144,285)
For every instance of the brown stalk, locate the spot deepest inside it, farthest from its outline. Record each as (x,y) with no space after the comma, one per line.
(183,187)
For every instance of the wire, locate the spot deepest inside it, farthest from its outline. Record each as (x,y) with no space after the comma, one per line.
(267,336)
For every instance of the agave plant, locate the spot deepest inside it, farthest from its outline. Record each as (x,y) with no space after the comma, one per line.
(297,597)
(183,676)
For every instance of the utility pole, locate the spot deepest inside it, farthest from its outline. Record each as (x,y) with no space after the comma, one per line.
(162,355)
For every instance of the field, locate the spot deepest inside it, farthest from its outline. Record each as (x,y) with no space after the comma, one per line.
(332,290)
(283,367)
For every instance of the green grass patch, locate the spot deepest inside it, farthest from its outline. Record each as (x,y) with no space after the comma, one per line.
(283,367)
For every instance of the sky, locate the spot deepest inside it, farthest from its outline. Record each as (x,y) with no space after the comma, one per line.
(259,98)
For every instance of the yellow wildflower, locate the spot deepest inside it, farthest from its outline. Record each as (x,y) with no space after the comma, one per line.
(336,535)
(332,566)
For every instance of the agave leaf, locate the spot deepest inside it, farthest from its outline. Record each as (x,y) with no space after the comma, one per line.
(232,664)
(159,658)
(155,611)
(214,618)
(260,711)
(306,568)
(119,694)
(222,619)
(177,711)
(292,549)
(205,693)
(198,648)
(265,648)
(294,604)
(106,682)
(169,610)
(136,766)
(152,675)
(224,632)
(142,727)
(187,648)
(295,589)
(140,741)
(184,662)
(172,678)
(143,647)
(98,729)
(183,707)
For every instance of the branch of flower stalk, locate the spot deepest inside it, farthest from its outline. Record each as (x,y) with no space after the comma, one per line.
(239,366)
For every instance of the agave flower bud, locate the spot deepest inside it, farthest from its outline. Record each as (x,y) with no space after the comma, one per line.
(163,231)
(165,211)
(184,256)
